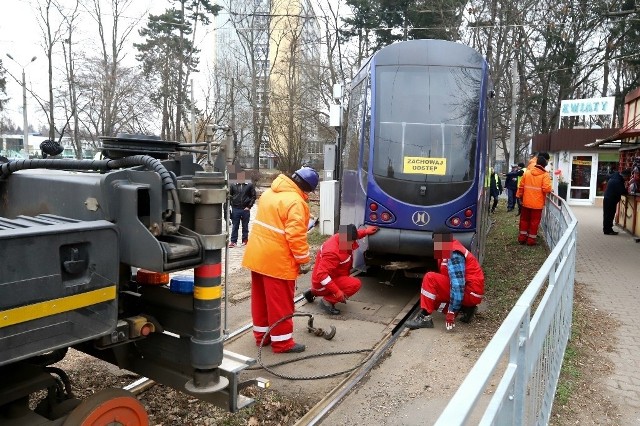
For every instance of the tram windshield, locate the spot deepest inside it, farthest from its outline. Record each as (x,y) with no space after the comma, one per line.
(426,121)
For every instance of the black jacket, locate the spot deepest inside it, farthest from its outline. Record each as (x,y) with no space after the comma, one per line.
(242,195)
(615,187)
(511,179)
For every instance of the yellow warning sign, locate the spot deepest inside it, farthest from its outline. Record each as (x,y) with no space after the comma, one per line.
(582,162)
(425,165)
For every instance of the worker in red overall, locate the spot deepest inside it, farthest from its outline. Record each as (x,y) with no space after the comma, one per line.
(331,273)
(456,289)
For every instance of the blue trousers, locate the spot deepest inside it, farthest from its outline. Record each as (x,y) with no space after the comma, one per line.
(237,216)
(511,198)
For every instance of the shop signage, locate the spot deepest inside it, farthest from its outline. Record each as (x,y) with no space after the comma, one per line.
(591,106)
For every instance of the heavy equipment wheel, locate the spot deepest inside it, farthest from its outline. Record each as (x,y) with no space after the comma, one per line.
(109,407)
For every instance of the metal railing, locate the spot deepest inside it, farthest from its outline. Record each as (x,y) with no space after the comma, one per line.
(526,353)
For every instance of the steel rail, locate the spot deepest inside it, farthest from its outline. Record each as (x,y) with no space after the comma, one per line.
(145,383)
(333,398)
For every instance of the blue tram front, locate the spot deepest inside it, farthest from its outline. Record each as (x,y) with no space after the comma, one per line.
(415,150)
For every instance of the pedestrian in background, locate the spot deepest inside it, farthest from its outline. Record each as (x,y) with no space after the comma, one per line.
(533,188)
(534,160)
(521,171)
(331,277)
(495,188)
(616,188)
(243,195)
(276,253)
(457,288)
(511,185)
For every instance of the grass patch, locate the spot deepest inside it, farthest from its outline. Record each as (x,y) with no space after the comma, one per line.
(509,267)
(315,238)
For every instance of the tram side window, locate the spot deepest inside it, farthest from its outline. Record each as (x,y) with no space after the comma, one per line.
(366,131)
(354,125)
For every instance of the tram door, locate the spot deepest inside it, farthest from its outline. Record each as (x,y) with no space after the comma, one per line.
(582,188)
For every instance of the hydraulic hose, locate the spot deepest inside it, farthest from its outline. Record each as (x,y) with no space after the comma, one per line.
(149,162)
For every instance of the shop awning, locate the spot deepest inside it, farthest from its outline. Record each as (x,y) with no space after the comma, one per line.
(627,132)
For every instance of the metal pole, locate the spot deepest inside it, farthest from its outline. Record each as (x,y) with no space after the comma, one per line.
(25,138)
(193,122)
(514,107)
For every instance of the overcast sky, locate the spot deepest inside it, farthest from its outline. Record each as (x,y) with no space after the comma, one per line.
(21,37)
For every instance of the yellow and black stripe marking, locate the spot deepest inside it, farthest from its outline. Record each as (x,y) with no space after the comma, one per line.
(56,306)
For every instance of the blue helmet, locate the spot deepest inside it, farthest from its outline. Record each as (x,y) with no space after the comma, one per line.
(306,178)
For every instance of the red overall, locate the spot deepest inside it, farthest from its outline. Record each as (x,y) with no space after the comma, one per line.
(331,271)
(436,286)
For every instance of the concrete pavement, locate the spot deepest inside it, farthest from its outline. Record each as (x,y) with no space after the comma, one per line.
(608,266)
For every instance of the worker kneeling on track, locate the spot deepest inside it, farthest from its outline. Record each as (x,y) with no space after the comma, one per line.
(330,278)
(456,289)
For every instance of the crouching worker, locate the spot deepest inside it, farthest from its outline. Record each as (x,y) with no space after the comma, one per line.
(458,287)
(330,278)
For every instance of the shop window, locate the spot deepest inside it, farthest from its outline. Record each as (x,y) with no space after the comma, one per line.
(605,169)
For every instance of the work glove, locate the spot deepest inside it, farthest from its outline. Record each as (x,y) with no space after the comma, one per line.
(340,296)
(450,320)
(367,230)
(304,268)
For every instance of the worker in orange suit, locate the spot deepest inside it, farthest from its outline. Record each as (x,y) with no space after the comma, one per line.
(275,254)
(532,190)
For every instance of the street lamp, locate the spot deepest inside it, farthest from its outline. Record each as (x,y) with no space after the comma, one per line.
(25,139)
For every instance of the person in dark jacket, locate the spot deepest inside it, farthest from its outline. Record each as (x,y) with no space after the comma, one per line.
(495,188)
(616,188)
(511,185)
(243,196)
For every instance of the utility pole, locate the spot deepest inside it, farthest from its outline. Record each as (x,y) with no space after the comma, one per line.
(515,88)
(193,122)
(25,122)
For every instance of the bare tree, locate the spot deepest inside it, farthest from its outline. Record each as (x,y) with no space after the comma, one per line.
(50,24)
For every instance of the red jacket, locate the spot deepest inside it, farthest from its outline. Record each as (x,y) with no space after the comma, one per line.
(331,263)
(473,274)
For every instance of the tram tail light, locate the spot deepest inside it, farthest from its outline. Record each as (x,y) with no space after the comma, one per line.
(468,213)
(373,207)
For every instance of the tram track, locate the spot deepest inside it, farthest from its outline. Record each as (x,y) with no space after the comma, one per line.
(333,398)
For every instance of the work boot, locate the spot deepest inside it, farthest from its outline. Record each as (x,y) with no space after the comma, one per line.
(296,348)
(329,307)
(468,312)
(421,321)
(309,296)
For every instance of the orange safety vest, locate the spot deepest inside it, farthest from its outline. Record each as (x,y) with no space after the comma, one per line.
(278,241)
(533,187)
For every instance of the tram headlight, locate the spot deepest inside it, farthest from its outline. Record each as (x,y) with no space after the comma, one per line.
(373,216)
(385,216)
(455,221)
(466,223)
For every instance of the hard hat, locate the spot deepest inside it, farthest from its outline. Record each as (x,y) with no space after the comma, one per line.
(306,178)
